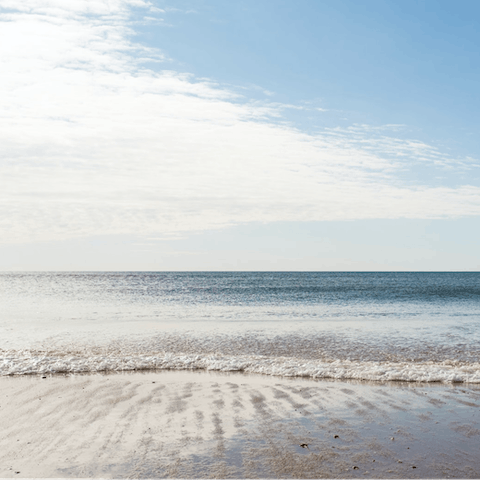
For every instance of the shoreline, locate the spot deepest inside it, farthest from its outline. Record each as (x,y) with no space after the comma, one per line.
(90,361)
(243,373)
(197,424)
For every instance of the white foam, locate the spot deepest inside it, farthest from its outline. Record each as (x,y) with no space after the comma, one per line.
(30,362)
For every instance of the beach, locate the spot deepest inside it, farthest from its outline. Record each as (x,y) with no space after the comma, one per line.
(239,239)
(200,424)
(227,375)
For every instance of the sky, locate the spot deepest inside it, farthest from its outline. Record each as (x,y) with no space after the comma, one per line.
(249,135)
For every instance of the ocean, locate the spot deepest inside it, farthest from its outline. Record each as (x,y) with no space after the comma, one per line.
(414,327)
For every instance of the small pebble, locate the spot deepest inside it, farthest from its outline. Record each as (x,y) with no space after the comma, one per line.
(335,436)
(393,438)
(413,466)
(355,468)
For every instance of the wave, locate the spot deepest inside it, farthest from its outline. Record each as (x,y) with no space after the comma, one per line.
(32,362)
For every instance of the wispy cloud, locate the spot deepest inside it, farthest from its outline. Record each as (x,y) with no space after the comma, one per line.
(93,142)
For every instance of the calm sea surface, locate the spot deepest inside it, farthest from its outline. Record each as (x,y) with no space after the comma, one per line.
(373,326)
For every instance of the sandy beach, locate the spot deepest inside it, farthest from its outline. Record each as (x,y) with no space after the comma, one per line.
(213,425)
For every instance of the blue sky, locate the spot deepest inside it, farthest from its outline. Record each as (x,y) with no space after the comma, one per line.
(415,63)
(249,135)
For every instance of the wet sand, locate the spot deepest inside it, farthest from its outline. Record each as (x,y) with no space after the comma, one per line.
(213,425)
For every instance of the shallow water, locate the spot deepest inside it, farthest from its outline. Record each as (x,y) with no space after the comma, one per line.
(376,326)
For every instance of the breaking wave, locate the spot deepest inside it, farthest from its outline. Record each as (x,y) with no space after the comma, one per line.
(31,362)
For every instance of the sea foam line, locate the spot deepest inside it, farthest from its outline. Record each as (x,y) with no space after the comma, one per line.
(445,372)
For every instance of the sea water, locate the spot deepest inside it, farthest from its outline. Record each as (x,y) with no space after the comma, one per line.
(422,327)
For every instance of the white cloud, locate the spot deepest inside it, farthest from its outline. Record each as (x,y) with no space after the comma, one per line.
(95,143)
